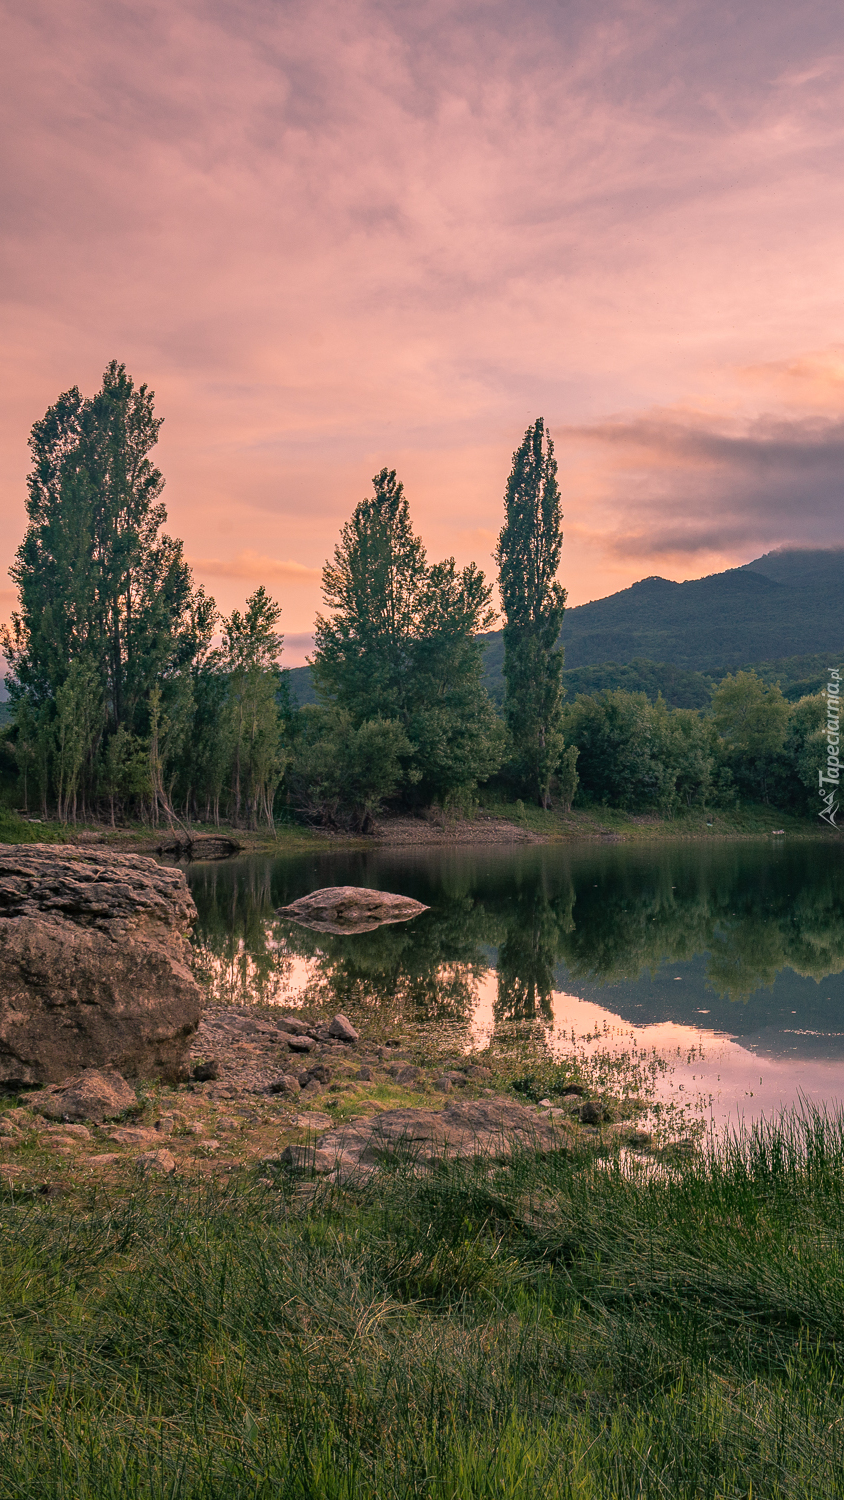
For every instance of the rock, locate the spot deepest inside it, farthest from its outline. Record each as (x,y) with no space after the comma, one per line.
(157,1163)
(301,1043)
(165,1125)
(306,1159)
(206,1072)
(312,1121)
(478,1072)
(92,1096)
(491,1128)
(591,1113)
(103,1159)
(8,1132)
(287,1083)
(342,1028)
(407,1076)
(77,1132)
(227,1123)
(316,1073)
(94,964)
(350,908)
(132,1135)
(364,1075)
(444,1084)
(295,1025)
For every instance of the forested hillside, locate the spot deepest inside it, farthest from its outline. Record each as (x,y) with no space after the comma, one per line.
(785,609)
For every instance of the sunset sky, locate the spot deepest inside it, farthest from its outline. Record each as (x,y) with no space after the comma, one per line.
(334,236)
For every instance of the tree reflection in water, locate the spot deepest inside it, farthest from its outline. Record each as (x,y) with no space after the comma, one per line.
(605,914)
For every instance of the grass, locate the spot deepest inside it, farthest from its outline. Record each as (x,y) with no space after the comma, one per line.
(560,1328)
(749,820)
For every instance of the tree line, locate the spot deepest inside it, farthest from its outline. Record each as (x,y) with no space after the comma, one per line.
(132,697)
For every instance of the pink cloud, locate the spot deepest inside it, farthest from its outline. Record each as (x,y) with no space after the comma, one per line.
(333,236)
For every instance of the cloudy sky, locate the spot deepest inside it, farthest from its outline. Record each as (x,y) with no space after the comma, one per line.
(334,236)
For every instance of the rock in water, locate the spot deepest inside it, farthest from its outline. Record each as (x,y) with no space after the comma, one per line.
(94,963)
(350,908)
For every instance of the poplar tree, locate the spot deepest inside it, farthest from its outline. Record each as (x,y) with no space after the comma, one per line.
(528,556)
(99,582)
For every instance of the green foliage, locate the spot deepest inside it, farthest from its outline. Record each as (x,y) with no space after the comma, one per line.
(752,720)
(251,648)
(528,555)
(341,773)
(400,646)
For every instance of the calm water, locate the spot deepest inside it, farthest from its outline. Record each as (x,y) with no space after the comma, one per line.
(726,960)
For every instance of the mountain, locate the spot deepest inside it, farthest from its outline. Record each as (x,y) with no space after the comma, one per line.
(785,609)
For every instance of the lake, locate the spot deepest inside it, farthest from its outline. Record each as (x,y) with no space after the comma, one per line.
(722,962)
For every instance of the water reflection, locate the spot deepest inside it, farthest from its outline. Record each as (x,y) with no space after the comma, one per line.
(743,940)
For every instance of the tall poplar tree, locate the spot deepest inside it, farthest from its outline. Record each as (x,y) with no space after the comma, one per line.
(99,582)
(528,556)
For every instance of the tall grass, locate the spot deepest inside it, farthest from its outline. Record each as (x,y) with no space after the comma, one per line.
(558,1328)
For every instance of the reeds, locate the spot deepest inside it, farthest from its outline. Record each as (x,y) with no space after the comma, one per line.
(561,1327)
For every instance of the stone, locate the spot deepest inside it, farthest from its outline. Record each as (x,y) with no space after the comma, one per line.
(478,1072)
(306,1160)
(227,1123)
(491,1128)
(348,908)
(316,1073)
(195,1128)
(93,1095)
(364,1075)
(287,1083)
(342,1028)
(157,1163)
(444,1084)
(312,1121)
(102,1159)
(206,1072)
(591,1113)
(77,1132)
(295,1025)
(132,1135)
(301,1043)
(94,964)
(165,1125)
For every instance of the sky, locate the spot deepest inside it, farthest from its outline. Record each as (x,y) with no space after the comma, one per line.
(334,237)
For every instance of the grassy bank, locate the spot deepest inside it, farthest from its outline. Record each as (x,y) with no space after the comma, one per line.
(751,820)
(561,1328)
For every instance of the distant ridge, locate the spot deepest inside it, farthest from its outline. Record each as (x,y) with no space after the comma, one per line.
(786,604)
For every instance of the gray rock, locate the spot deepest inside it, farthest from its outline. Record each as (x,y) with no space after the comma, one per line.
(301,1043)
(306,1160)
(132,1135)
(92,1096)
(295,1025)
(492,1128)
(342,1028)
(159,1163)
(287,1083)
(349,908)
(94,963)
(592,1112)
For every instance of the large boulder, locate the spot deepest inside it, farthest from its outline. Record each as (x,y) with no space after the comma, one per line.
(350,908)
(94,964)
